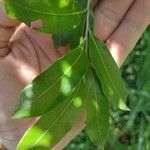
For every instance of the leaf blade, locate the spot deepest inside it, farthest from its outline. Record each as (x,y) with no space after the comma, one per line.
(72,37)
(54,14)
(97,111)
(108,73)
(53,85)
(54,125)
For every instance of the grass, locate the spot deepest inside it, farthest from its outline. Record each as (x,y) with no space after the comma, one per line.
(129,130)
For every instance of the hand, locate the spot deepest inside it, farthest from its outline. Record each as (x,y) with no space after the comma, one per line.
(120,23)
(24,53)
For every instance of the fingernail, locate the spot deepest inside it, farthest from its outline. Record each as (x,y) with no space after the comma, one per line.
(37,24)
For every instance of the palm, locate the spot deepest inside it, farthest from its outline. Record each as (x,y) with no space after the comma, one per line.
(30,53)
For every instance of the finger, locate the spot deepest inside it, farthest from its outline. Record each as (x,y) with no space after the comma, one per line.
(4,19)
(7,28)
(45,42)
(27,43)
(45,48)
(62,50)
(108,15)
(123,40)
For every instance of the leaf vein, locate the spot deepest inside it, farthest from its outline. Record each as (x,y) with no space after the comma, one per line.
(50,13)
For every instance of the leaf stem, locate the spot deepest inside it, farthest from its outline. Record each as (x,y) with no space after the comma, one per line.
(87,25)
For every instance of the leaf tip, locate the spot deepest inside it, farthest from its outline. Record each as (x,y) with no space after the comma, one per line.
(124,107)
(15,115)
(18,114)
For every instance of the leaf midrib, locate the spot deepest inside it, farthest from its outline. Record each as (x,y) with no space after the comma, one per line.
(50,13)
(105,66)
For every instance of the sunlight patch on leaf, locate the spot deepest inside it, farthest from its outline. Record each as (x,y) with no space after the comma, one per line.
(65,65)
(110,90)
(78,102)
(47,137)
(123,106)
(95,104)
(63,3)
(65,86)
(74,26)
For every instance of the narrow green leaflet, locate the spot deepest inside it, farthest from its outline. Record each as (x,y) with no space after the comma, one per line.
(97,111)
(108,73)
(53,126)
(57,15)
(52,86)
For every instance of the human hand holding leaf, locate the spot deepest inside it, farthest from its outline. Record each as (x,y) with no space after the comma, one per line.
(54,87)
(29,54)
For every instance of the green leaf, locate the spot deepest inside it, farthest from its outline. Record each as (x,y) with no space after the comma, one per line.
(53,126)
(97,111)
(57,15)
(61,39)
(76,35)
(72,38)
(52,86)
(108,73)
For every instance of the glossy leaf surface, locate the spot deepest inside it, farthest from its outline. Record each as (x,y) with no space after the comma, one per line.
(108,73)
(53,126)
(97,111)
(57,15)
(53,86)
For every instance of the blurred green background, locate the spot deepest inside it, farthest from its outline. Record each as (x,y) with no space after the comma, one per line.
(129,130)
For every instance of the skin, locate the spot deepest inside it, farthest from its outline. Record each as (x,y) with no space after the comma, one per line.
(24,53)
